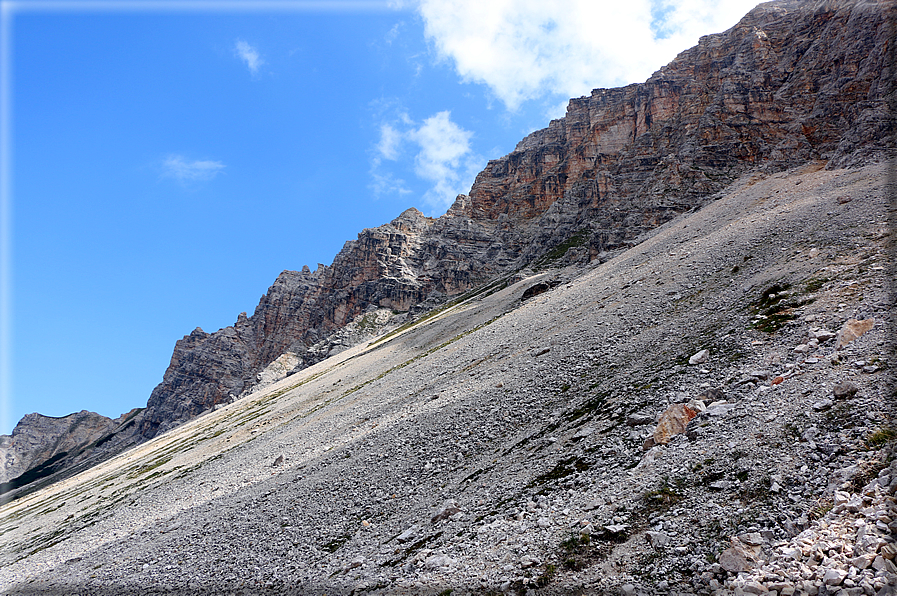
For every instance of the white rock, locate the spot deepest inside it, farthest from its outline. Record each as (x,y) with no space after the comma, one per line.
(700,358)
(438,560)
(834,577)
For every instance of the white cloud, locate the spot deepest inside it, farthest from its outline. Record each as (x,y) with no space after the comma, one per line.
(393,33)
(527,49)
(390,138)
(443,158)
(249,55)
(182,170)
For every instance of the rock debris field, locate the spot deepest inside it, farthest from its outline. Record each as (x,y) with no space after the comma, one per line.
(708,412)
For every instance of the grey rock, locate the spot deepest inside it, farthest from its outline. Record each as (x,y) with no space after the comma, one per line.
(844,390)
(638,419)
(822,404)
(449,509)
(658,539)
(409,533)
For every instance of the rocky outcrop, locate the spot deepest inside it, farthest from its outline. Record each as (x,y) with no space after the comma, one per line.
(794,81)
(43,445)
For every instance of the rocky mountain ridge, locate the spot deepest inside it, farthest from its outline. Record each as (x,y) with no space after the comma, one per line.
(793,81)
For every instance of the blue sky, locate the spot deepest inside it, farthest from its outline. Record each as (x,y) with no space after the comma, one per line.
(164,161)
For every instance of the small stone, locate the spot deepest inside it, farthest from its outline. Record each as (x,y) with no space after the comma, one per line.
(822,404)
(752,587)
(639,419)
(408,534)
(823,335)
(844,390)
(615,530)
(657,539)
(437,561)
(627,590)
(585,432)
(449,509)
(801,349)
(355,563)
(700,358)
(736,559)
(792,553)
(862,562)
(751,539)
(834,577)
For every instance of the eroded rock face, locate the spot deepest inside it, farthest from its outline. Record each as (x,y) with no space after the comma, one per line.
(792,82)
(39,439)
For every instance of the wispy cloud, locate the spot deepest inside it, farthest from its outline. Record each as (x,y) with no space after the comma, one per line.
(184,170)
(249,55)
(383,184)
(442,158)
(390,138)
(445,159)
(531,49)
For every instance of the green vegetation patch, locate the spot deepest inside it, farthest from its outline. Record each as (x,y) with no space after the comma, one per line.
(775,307)
(562,469)
(881,437)
(333,545)
(664,496)
(576,240)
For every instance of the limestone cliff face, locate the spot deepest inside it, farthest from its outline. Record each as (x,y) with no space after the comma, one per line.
(794,81)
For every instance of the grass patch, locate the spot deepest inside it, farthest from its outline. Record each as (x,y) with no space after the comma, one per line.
(664,496)
(814,284)
(775,308)
(881,437)
(576,240)
(562,469)
(333,545)
(411,549)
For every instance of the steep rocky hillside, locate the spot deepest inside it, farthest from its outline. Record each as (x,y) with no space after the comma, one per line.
(651,352)
(794,81)
(709,412)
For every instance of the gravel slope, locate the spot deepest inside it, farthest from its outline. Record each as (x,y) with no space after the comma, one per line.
(500,445)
